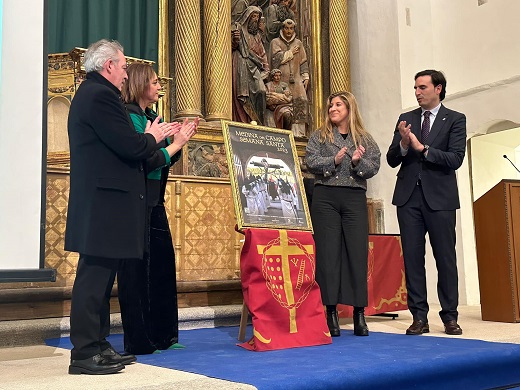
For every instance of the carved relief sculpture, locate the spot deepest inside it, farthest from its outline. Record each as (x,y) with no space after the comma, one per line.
(250,68)
(288,54)
(279,111)
(204,160)
(276,14)
(237,9)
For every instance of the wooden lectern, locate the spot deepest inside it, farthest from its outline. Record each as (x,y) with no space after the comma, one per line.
(497,233)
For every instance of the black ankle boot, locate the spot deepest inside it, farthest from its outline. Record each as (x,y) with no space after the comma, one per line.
(333,322)
(360,325)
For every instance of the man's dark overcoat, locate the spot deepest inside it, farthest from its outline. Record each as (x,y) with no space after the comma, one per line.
(107,201)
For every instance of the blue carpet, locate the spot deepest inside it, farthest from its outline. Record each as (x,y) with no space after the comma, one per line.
(380,361)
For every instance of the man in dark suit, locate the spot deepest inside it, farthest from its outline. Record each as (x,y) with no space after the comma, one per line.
(429,143)
(107,202)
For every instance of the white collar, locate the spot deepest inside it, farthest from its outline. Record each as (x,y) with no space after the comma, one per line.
(433,111)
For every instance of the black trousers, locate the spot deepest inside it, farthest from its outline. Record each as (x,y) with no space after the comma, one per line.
(416,219)
(147,291)
(90,306)
(340,221)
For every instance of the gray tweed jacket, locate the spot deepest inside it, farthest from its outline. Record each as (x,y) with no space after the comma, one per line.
(319,159)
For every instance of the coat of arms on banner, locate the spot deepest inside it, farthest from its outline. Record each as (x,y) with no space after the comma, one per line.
(278,268)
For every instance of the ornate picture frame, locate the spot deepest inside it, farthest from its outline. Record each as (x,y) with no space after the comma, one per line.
(265,177)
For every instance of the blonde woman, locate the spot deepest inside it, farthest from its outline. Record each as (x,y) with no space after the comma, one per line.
(342,155)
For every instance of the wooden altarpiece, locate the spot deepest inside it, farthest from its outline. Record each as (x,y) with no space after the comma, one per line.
(195,66)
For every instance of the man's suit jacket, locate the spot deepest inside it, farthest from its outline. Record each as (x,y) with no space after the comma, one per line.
(447,141)
(107,201)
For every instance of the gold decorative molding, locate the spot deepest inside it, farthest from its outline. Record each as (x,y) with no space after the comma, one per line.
(60,72)
(164,40)
(207,235)
(200,209)
(206,132)
(376,220)
(78,53)
(201,217)
(217,59)
(188,58)
(339,44)
(65,74)
(58,159)
(162,107)
(163,65)
(316,77)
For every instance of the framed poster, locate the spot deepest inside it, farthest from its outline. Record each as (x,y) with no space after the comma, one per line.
(265,177)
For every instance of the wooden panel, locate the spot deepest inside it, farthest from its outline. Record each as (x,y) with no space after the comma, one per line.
(205,227)
(514,241)
(52,302)
(43,309)
(201,216)
(497,268)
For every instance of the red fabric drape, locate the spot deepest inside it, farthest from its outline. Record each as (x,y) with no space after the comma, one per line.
(386,280)
(277,271)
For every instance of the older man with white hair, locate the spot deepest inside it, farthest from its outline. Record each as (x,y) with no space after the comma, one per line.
(107,202)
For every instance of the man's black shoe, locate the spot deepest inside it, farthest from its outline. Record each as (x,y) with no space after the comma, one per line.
(418,327)
(112,356)
(452,328)
(95,365)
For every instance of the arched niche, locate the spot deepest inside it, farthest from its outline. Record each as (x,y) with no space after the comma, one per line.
(57,114)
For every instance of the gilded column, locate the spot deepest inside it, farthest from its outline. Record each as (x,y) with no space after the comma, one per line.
(176,204)
(316,77)
(188,58)
(217,59)
(339,46)
(163,66)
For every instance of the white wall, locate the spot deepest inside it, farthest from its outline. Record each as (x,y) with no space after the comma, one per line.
(488,166)
(476,47)
(486,107)
(472,44)
(486,162)
(374,58)
(517,159)
(21,97)
(414,20)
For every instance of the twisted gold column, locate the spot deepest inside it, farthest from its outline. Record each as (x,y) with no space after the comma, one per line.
(316,77)
(339,46)
(217,59)
(188,58)
(163,66)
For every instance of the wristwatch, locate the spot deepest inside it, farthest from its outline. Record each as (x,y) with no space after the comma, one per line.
(426,147)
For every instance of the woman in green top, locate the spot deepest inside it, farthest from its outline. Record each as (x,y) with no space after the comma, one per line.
(147,289)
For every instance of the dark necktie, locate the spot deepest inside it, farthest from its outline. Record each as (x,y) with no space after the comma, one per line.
(425,129)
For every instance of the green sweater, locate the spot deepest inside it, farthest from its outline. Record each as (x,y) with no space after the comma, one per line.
(140,119)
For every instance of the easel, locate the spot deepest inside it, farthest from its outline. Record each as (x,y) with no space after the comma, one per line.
(244,316)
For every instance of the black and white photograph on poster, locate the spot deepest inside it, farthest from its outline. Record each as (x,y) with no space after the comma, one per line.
(266,179)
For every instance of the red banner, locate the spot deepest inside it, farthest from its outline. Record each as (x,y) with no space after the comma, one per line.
(386,280)
(277,271)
